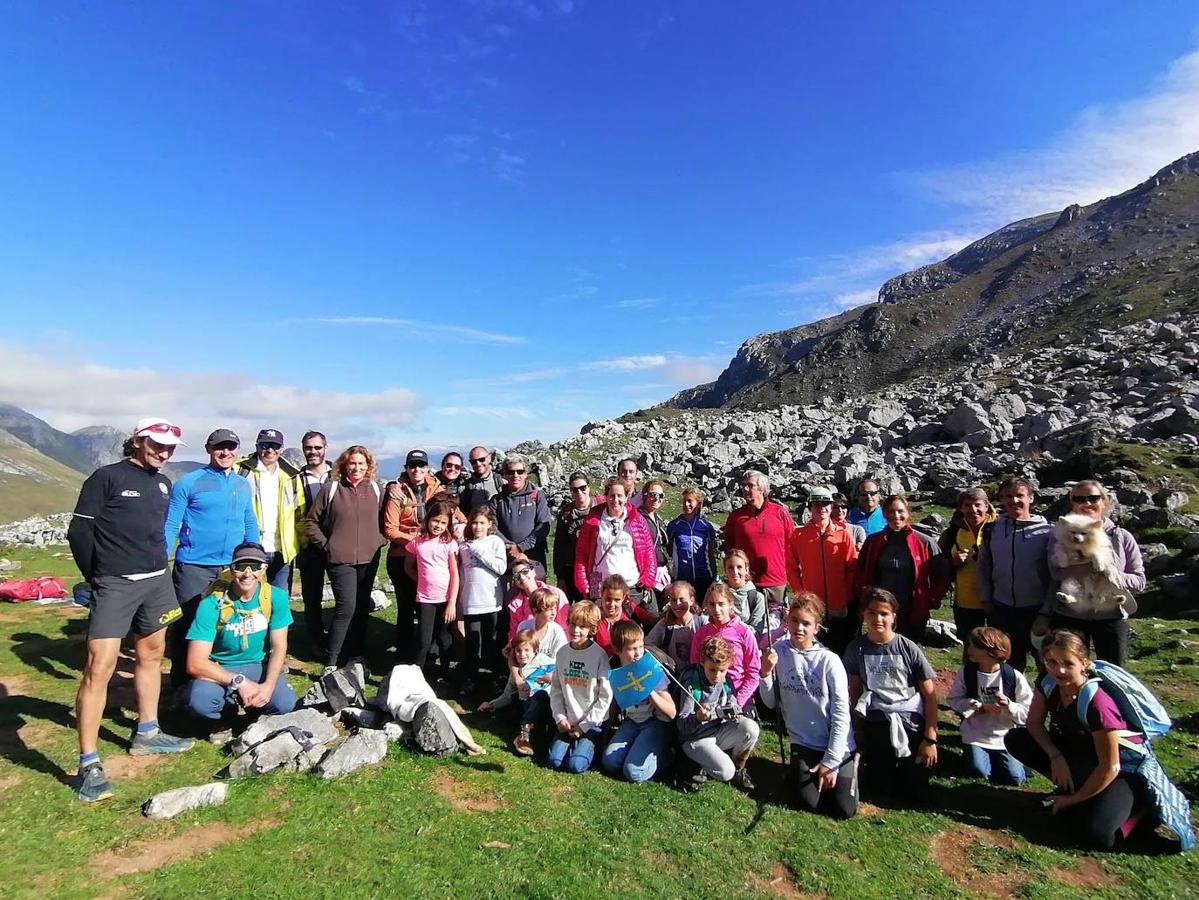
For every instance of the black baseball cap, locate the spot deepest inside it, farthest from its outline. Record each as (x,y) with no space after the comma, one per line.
(270,436)
(416,458)
(222,436)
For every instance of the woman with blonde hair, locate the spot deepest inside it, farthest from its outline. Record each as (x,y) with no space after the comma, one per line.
(344,521)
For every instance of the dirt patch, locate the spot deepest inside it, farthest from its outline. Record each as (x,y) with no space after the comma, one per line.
(869,809)
(944,682)
(779,883)
(126,766)
(8,782)
(462,798)
(14,685)
(1091,873)
(145,856)
(959,853)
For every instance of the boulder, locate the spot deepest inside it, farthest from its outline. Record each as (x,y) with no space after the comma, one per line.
(432,732)
(169,804)
(312,721)
(1171,499)
(345,686)
(882,413)
(966,418)
(267,756)
(362,748)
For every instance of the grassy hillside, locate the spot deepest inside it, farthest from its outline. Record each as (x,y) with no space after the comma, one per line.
(32,483)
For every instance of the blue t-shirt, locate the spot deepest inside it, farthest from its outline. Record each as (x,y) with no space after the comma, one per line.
(873,523)
(247,621)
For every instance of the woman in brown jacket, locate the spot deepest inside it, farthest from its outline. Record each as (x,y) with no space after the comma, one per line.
(344,522)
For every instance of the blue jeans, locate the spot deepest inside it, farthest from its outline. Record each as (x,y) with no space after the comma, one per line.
(995,765)
(208,700)
(573,754)
(640,749)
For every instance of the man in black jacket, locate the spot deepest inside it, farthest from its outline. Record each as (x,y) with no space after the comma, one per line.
(117,537)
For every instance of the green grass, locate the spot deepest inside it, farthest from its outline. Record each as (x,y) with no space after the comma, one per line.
(418,826)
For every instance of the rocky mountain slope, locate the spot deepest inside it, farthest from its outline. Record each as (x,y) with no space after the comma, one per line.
(31,482)
(1105,265)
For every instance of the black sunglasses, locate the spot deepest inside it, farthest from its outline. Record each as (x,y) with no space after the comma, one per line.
(515,472)
(1086,498)
(481,459)
(867,493)
(578,488)
(655,495)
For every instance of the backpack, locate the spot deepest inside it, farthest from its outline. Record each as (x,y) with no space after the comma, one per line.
(1007,680)
(44,588)
(1141,710)
(226,609)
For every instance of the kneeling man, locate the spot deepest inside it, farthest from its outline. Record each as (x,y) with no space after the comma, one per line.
(227,652)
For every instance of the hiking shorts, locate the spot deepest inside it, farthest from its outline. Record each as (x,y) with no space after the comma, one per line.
(147,605)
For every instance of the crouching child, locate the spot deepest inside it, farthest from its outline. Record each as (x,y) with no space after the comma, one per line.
(715,734)
(642,745)
(579,693)
(526,695)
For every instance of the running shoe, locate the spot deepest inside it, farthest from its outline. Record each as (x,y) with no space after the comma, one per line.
(158,742)
(91,784)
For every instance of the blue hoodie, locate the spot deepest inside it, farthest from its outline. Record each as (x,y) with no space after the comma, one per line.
(211,511)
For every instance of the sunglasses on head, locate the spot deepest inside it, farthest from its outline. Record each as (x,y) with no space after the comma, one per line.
(247,566)
(655,495)
(163,428)
(1086,498)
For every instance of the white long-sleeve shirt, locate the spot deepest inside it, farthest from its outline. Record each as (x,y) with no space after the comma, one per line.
(482,563)
(983,729)
(580,692)
(814,690)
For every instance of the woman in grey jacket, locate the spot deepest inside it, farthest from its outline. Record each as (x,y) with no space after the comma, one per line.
(1013,567)
(1106,631)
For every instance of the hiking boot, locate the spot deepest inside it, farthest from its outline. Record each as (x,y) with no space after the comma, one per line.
(91,784)
(742,780)
(524,741)
(158,742)
(694,782)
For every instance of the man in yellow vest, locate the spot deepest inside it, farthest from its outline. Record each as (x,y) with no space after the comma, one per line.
(279,502)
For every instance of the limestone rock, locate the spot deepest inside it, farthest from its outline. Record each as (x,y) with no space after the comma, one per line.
(362,748)
(169,804)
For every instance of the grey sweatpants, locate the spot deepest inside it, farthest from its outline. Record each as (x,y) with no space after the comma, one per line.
(714,753)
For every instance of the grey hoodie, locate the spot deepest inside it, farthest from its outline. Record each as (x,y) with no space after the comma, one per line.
(1013,563)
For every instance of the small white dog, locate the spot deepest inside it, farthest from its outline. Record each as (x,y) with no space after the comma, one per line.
(1081,541)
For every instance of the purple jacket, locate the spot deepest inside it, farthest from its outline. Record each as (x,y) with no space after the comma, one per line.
(1127,557)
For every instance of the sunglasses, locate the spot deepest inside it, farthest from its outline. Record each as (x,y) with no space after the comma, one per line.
(819,503)
(164,428)
(451,465)
(512,472)
(521,573)
(247,566)
(313,449)
(655,495)
(579,488)
(1086,498)
(842,506)
(867,493)
(270,446)
(479,461)
(415,465)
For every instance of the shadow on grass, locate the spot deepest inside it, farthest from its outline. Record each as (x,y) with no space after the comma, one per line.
(60,657)
(20,714)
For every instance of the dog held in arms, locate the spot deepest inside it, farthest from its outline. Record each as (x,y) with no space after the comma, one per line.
(1081,541)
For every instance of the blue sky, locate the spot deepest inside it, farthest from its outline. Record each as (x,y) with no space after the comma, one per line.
(440,223)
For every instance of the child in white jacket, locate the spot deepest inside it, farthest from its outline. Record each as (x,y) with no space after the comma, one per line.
(992,698)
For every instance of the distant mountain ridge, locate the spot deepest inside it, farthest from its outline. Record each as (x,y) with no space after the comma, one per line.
(1122,259)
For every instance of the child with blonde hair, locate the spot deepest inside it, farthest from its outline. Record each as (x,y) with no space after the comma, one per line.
(579,693)
(641,746)
(715,734)
(525,691)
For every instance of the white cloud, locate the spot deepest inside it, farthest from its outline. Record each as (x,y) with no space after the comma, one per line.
(856,298)
(638,303)
(674,367)
(625,363)
(198,401)
(491,412)
(1107,149)
(690,371)
(430,330)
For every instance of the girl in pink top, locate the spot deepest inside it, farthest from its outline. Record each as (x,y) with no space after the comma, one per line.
(433,563)
(745,671)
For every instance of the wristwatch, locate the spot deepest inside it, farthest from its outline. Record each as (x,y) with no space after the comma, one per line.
(238,680)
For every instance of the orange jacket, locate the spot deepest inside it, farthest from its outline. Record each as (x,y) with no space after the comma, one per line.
(400,522)
(823,564)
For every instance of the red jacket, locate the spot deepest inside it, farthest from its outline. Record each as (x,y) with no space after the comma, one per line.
(761,534)
(823,564)
(643,549)
(931,581)
(640,615)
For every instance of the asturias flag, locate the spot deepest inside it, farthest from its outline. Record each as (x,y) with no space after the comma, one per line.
(633,683)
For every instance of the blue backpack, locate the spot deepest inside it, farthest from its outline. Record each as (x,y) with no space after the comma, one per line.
(1141,710)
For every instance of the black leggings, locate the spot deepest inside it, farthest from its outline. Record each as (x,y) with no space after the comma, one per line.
(352,586)
(405,591)
(480,641)
(885,773)
(432,629)
(841,802)
(1098,822)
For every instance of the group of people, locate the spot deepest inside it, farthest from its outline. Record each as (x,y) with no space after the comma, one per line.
(467,556)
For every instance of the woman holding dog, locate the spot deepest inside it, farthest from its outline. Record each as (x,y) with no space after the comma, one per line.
(1106,631)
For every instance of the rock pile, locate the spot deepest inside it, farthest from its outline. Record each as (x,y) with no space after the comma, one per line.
(38,531)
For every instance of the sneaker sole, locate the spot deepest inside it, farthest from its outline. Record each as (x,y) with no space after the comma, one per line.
(96,799)
(141,751)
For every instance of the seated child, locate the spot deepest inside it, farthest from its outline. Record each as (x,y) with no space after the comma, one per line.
(748,602)
(895,702)
(643,743)
(530,702)
(992,698)
(809,681)
(550,636)
(676,629)
(579,693)
(615,605)
(722,623)
(716,735)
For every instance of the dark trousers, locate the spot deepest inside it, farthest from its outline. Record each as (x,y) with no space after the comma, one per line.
(566,583)
(1109,637)
(189,581)
(913,629)
(841,802)
(433,633)
(1017,622)
(1098,822)
(352,586)
(885,773)
(839,631)
(278,573)
(966,620)
(480,642)
(311,563)
(405,591)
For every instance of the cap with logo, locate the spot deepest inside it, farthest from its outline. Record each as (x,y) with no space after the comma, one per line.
(160,430)
(270,436)
(820,494)
(222,436)
(417,458)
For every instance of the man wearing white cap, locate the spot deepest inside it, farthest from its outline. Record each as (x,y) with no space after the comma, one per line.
(116,538)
